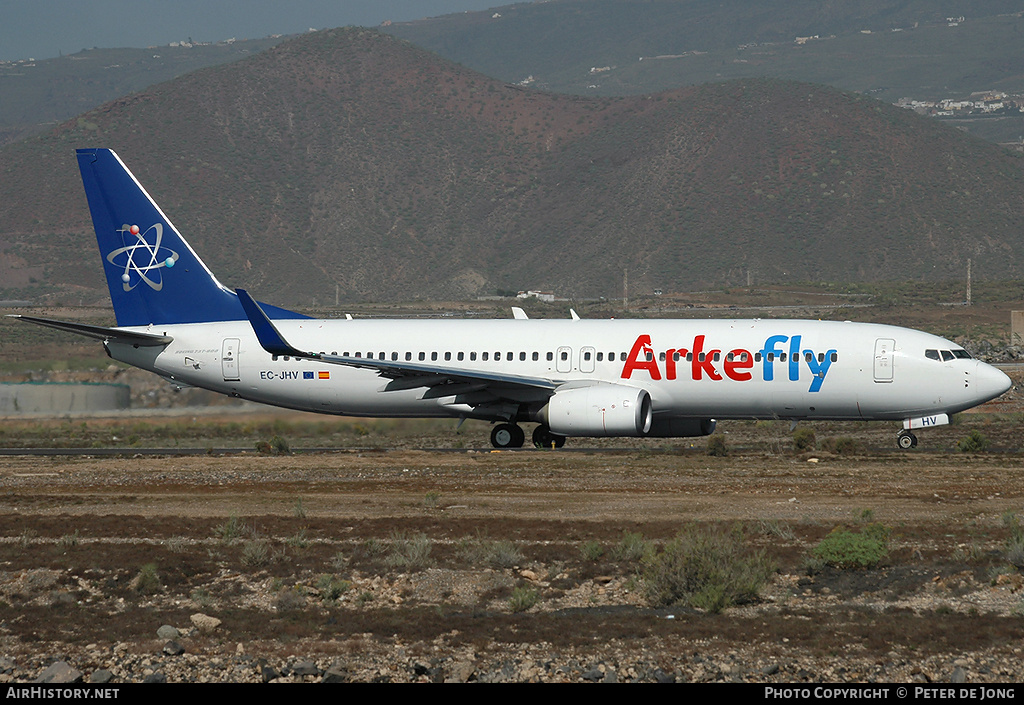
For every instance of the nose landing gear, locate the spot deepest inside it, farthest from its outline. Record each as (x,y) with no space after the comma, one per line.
(906,440)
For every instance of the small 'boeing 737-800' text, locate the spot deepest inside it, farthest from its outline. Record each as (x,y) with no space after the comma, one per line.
(572,377)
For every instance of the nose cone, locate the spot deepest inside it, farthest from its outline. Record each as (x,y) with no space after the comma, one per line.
(990,382)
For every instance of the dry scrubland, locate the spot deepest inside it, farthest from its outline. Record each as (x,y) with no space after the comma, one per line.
(612,564)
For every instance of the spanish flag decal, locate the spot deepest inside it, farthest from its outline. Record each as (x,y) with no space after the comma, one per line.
(323,375)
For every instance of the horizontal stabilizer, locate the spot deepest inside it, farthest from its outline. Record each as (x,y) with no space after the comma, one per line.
(112,335)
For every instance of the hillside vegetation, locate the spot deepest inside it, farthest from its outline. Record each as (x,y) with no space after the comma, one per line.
(351,161)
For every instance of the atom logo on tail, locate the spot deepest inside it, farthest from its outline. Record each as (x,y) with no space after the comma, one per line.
(158,257)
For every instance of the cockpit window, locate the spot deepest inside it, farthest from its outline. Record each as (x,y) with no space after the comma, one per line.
(947,356)
(931,354)
(961,355)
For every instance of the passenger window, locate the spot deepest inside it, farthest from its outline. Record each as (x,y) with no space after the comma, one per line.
(433,356)
(600,357)
(931,354)
(483,356)
(472,356)
(661,357)
(565,356)
(408,357)
(834,357)
(422,356)
(522,357)
(497,356)
(461,356)
(536,356)
(447,356)
(551,356)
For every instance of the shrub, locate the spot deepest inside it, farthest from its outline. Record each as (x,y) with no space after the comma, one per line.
(845,549)
(409,553)
(804,439)
(973,442)
(632,547)
(255,554)
(496,554)
(592,550)
(232,529)
(844,445)
(716,446)
(147,581)
(1015,541)
(523,598)
(332,587)
(705,568)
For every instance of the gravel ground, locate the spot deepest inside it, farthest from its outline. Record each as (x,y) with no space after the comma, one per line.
(373,565)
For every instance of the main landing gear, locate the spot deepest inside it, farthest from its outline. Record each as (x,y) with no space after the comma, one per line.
(509,435)
(906,440)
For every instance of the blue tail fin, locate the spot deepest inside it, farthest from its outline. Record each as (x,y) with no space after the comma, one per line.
(153,275)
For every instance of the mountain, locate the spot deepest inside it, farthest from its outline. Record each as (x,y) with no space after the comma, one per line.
(351,161)
(889,49)
(887,46)
(35,94)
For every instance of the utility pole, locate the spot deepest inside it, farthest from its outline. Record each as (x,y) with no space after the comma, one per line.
(625,289)
(968,281)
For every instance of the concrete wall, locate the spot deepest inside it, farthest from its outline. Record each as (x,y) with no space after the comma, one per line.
(60,398)
(1016,327)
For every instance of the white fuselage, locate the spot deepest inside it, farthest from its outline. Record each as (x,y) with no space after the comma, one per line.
(718,369)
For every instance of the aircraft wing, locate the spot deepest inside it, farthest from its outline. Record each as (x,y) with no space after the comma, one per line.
(405,375)
(112,335)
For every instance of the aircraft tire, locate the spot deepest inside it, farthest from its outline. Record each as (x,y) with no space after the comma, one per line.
(507,435)
(906,440)
(544,439)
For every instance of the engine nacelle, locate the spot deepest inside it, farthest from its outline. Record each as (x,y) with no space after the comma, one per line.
(674,427)
(599,410)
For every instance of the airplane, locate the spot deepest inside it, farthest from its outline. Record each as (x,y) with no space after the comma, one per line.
(573,378)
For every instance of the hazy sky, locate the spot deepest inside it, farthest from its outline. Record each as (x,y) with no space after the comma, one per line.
(42,29)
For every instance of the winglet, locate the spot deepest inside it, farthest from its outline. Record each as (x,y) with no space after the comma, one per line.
(270,338)
(519,314)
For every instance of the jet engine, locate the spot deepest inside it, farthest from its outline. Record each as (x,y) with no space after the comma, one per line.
(598,410)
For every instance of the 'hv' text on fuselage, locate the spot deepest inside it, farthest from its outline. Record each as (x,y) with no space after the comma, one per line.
(700,361)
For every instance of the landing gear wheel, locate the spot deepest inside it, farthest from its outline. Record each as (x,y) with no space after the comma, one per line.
(906,440)
(543,438)
(507,435)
